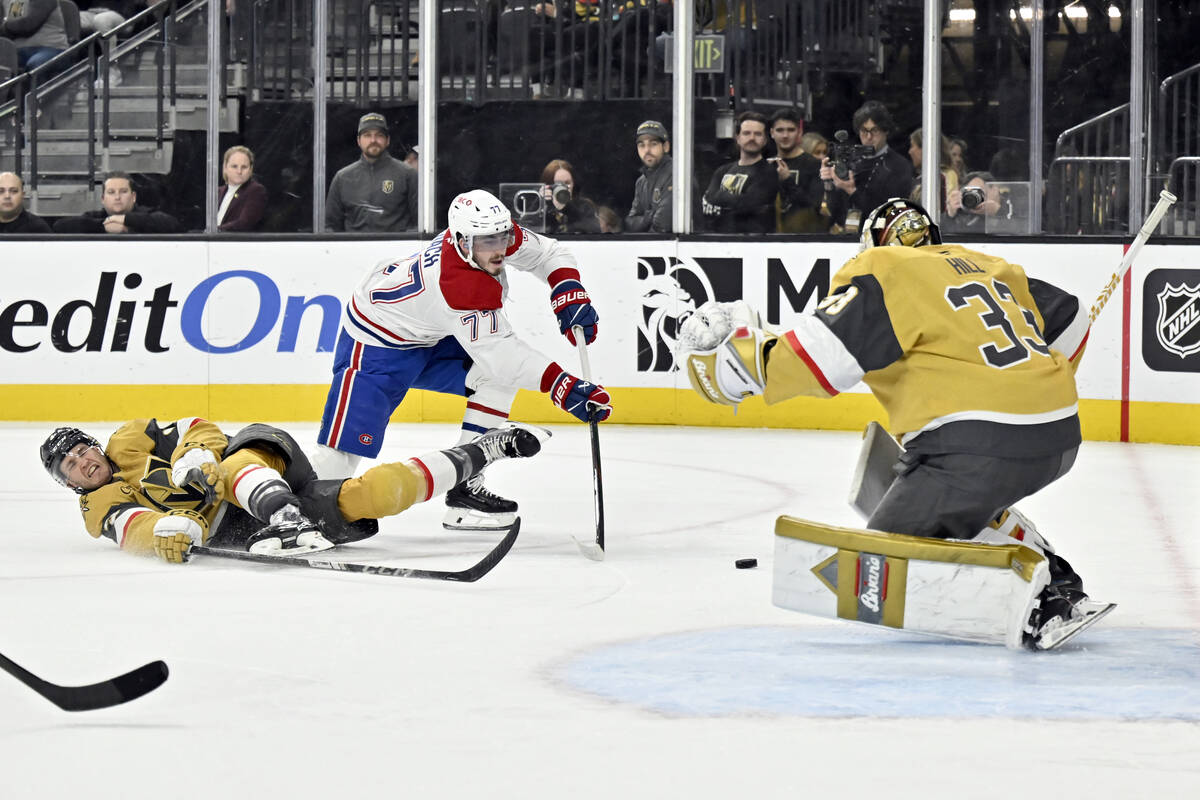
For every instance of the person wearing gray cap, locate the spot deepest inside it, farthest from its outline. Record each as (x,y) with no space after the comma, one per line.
(651,209)
(375,193)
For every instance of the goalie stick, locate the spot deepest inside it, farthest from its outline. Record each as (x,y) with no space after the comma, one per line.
(113,692)
(468,575)
(594,549)
(1165,199)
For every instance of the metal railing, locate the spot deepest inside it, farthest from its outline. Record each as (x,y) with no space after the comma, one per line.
(1088,195)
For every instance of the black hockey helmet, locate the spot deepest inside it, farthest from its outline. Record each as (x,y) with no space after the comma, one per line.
(900,223)
(56,447)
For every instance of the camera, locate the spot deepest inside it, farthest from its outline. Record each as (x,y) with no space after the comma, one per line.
(561,193)
(844,155)
(973,197)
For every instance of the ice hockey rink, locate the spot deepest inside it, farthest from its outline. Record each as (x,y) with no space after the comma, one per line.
(660,672)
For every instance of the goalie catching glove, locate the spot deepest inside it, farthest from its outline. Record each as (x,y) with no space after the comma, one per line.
(200,469)
(576,396)
(726,349)
(571,304)
(175,534)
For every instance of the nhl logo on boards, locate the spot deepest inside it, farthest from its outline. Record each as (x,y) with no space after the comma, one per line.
(1178,314)
(1171,320)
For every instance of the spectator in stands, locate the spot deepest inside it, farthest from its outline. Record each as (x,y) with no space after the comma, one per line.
(242,200)
(610,221)
(949,178)
(413,156)
(870,181)
(815,145)
(101,16)
(651,208)
(969,207)
(566,211)
(119,213)
(958,159)
(36,27)
(741,195)
(13,216)
(797,207)
(375,193)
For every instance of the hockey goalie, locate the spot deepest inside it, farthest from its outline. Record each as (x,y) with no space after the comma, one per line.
(974,363)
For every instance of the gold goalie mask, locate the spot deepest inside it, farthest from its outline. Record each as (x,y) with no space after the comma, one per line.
(723,346)
(899,223)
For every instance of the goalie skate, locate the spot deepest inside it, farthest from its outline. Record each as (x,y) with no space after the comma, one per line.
(288,539)
(1056,631)
(470,506)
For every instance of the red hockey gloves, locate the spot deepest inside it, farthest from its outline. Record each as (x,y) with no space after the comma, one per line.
(570,303)
(579,397)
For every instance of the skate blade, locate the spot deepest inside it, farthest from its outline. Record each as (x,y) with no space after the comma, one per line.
(1069,632)
(464,519)
(309,542)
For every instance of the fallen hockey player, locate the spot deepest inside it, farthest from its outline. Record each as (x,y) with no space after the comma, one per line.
(159,488)
(975,365)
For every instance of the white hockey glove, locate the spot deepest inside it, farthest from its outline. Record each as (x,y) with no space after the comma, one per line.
(200,469)
(723,346)
(174,535)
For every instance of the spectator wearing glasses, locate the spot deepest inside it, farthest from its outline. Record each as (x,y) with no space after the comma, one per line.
(871,181)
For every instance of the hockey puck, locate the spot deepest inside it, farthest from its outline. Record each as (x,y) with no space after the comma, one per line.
(746,563)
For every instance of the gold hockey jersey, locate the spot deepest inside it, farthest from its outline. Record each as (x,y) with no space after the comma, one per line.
(940,334)
(141,491)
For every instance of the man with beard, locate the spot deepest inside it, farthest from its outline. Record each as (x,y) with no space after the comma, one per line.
(651,209)
(741,195)
(375,193)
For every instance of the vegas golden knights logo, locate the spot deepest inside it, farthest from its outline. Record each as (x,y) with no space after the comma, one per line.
(388,186)
(734,182)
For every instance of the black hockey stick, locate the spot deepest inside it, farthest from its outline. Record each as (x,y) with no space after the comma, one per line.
(120,689)
(468,575)
(593,550)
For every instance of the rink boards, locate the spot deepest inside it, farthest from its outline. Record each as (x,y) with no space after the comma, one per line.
(240,330)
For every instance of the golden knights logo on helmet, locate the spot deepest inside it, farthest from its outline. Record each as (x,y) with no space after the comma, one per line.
(899,223)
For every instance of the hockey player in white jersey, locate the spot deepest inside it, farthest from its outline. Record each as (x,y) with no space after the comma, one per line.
(435,320)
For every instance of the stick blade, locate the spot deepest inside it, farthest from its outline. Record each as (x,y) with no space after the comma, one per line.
(590,549)
(114,692)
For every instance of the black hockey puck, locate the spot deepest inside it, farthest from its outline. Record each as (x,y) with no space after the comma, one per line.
(746,563)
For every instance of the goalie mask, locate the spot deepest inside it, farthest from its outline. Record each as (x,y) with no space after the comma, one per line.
(479,218)
(899,223)
(57,449)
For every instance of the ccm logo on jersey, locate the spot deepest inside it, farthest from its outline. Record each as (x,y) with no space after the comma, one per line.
(569,298)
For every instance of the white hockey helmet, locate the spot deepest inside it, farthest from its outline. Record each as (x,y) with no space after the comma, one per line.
(477,213)
(899,223)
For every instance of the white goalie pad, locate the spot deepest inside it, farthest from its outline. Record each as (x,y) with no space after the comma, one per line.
(962,590)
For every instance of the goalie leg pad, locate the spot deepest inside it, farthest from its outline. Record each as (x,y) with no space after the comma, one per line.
(961,590)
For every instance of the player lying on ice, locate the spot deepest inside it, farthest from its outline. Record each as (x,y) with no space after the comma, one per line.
(435,320)
(974,364)
(160,488)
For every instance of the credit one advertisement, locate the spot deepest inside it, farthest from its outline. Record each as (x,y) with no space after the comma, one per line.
(246,313)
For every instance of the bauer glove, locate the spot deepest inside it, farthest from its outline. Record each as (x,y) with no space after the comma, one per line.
(199,469)
(571,304)
(582,399)
(175,533)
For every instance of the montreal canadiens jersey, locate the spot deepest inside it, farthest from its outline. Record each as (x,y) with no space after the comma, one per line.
(432,294)
(940,334)
(142,452)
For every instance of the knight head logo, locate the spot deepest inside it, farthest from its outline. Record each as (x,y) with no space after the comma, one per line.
(389,186)
(1178,324)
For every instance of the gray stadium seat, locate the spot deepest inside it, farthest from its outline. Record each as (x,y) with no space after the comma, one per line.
(8,64)
(70,13)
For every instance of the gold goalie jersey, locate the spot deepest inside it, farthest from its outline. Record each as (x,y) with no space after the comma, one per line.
(940,334)
(141,491)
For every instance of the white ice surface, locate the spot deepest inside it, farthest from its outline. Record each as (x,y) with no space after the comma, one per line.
(661,672)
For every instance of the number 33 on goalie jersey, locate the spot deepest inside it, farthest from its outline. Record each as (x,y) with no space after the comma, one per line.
(939,333)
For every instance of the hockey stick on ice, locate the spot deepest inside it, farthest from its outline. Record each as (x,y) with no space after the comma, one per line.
(595,549)
(1165,199)
(120,689)
(468,575)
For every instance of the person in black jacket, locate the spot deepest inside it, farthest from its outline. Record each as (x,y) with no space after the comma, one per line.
(800,188)
(119,213)
(741,195)
(13,216)
(871,181)
(651,208)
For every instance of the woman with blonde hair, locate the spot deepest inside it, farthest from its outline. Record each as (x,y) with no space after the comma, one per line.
(242,200)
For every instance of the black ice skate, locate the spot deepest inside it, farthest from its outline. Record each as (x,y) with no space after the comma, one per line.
(470,506)
(1058,619)
(289,533)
